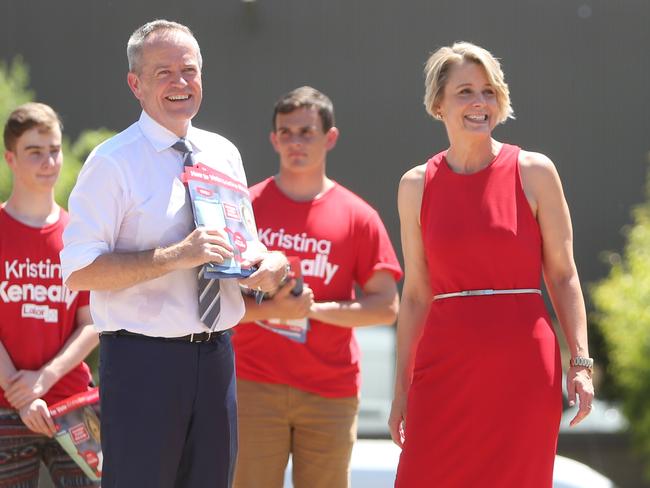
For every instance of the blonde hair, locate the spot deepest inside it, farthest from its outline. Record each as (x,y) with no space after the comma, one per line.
(436,74)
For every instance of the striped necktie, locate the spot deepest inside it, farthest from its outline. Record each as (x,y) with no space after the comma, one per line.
(209,295)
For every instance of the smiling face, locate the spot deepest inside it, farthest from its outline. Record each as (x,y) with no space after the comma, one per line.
(469,104)
(36,159)
(300,141)
(168,83)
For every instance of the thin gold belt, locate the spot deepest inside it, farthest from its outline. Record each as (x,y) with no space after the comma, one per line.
(489,291)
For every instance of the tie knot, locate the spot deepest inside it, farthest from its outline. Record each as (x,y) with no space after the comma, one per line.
(182,146)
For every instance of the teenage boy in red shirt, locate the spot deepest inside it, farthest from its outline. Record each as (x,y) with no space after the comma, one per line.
(45,329)
(298,377)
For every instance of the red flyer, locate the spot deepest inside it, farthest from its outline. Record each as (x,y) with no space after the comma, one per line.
(78,430)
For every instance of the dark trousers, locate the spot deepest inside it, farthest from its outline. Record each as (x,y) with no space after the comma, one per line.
(169,413)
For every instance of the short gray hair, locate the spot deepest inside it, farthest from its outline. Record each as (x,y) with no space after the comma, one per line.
(137,39)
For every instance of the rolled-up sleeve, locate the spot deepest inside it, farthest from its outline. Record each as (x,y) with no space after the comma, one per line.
(96,207)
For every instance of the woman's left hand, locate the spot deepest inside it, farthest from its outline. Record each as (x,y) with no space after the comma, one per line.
(580,385)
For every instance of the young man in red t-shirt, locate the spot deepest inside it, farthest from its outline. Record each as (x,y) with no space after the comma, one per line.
(297,359)
(45,329)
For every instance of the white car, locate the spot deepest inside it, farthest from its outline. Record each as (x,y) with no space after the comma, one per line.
(377,376)
(374,463)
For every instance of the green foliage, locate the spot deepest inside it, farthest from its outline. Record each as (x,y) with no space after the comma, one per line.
(88,140)
(622,303)
(74,156)
(14,91)
(14,83)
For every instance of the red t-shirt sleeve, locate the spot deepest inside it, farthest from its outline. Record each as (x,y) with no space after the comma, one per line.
(374,250)
(83,299)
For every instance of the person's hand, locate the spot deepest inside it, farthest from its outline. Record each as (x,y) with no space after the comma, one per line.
(26,386)
(578,383)
(203,245)
(272,269)
(397,418)
(287,306)
(37,418)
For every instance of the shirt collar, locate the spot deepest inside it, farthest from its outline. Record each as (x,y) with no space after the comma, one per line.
(162,138)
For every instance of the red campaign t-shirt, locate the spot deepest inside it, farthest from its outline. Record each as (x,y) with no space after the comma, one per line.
(341,241)
(37,312)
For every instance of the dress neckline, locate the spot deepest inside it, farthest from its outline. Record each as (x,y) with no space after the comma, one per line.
(483,170)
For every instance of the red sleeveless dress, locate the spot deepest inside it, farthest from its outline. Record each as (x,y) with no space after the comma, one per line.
(485,403)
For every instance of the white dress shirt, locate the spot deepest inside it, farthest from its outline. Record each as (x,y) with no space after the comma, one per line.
(129,197)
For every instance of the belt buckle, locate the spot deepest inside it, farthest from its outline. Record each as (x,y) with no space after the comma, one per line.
(477,293)
(196,341)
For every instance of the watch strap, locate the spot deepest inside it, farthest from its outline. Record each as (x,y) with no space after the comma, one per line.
(582,362)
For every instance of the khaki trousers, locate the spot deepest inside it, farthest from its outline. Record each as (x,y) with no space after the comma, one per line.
(277,420)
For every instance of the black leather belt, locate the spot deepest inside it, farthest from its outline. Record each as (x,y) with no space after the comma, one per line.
(194,338)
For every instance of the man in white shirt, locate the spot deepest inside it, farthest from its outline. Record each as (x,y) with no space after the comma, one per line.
(167,378)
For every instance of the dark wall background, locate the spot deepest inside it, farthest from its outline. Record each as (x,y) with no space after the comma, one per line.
(578,72)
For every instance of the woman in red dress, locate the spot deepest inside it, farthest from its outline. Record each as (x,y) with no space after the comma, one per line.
(478,388)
